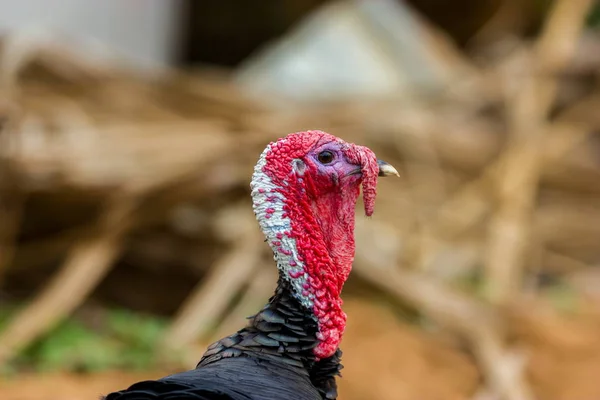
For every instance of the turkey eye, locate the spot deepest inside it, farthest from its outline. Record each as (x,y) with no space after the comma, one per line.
(325,157)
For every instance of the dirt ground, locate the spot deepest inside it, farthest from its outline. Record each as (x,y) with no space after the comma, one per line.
(387,360)
(391,360)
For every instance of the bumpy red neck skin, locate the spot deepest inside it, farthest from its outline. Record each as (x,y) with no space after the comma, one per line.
(311,231)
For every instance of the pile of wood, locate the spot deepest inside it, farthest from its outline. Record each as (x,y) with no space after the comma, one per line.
(117,186)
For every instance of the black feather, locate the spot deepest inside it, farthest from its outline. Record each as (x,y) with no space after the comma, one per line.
(272,358)
(271,316)
(266,341)
(283,338)
(265,326)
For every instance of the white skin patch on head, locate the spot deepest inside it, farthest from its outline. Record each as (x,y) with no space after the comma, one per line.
(268,205)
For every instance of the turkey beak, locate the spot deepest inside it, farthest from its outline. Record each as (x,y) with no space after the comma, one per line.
(386,169)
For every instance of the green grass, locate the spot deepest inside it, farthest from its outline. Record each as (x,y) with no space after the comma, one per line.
(124,340)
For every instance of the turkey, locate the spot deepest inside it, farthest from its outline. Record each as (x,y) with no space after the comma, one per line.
(304,190)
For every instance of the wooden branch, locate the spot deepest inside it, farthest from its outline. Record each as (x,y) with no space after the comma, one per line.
(426,184)
(473,201)
(504,369)
(88,262)
(561,264)
(482,325)
(211,297)
(260,288)
(518,181)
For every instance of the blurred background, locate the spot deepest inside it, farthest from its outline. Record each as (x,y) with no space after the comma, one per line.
(128,133)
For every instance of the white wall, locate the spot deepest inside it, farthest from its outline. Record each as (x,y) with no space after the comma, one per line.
(142,31)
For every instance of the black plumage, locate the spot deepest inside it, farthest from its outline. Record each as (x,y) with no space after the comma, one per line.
(271,358)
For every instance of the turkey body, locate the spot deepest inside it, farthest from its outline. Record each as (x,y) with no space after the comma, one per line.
(239,378)
(270,359)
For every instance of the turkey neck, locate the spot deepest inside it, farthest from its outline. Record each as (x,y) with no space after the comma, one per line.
(323,240)
(294,330)
(312,238)
(285,320)
(313,245)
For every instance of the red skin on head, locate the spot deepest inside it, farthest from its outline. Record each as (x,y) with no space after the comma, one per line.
(320,203)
